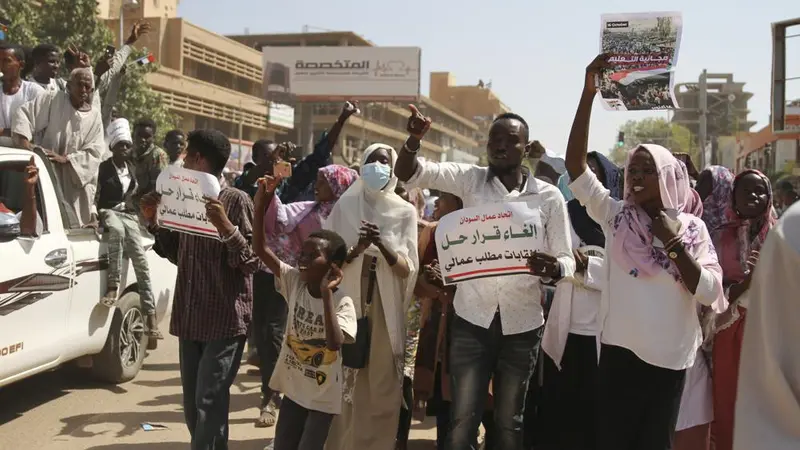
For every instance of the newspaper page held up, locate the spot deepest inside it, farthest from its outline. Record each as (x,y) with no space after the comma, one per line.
(644,52)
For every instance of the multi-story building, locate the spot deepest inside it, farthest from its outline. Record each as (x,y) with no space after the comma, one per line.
(772,153)
(726,105)
(207,80)
(476,102)
(378,122)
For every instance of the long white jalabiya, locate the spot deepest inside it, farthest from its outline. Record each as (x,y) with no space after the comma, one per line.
(53,123)
(768,401)
(397,221)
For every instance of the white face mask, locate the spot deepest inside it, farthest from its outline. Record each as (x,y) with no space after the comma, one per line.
(376,175)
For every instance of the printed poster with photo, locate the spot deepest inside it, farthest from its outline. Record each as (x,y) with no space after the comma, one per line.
(182,207)
(488,241)
(644,52)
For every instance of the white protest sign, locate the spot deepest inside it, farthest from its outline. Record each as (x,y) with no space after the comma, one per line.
(488,241)
(182,206)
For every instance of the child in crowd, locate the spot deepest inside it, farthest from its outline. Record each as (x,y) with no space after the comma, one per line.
(321,319)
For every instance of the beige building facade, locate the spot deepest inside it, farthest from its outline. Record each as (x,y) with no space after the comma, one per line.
(379,122)
(207,80)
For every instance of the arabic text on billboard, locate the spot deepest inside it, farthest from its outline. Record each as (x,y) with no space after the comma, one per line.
(327,74)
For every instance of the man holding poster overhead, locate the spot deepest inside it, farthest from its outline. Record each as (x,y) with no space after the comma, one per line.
(498,320)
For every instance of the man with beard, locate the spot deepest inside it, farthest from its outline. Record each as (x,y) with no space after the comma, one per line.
(68,129)
(498,322)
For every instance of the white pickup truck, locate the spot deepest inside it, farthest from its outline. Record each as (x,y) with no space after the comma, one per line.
(50,287)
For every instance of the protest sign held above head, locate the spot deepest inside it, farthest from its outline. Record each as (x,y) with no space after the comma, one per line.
(182,206)
(488,241)
(643,51)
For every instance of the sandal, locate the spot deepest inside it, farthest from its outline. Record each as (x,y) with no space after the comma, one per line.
(109,300)
(154,334)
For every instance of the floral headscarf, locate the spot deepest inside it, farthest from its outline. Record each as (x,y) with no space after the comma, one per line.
(339,179)
(730,233)
(633,238)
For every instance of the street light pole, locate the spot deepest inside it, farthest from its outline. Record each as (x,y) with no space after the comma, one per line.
(122,5)
(703,125)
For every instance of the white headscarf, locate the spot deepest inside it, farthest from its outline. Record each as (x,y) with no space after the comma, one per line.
(768,400)
(118,130)
(397,221)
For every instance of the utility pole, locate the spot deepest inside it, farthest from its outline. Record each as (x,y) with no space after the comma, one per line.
(703,122)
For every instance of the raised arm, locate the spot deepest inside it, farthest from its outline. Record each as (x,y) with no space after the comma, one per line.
(304,173)
(578,143)
(266,190)
(119,59)
(407,165)
(27,221)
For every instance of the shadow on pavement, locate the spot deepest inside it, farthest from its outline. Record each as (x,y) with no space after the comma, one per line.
(169,382)
(76,426)
(239,402)
(25,395)
(253,444)
(164,367)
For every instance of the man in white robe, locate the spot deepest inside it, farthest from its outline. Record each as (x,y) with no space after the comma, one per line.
(69,131)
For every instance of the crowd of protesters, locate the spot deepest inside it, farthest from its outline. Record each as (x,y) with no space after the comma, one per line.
(333,276)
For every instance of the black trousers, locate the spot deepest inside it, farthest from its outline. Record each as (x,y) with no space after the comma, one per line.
(567,409)
(299,428)
(207,372)
(637,403)
(269,325)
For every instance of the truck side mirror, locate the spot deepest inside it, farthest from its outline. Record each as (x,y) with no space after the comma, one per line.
(9,227)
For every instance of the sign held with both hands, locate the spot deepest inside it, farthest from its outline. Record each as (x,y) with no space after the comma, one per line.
(488,241)
(182,206)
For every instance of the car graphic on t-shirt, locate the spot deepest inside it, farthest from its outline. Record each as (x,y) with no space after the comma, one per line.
(311,352)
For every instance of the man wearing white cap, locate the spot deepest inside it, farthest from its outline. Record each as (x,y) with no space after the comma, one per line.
(115,187)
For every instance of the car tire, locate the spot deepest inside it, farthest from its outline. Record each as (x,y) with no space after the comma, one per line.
(123,355)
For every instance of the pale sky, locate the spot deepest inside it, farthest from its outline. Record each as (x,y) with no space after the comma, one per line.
(533,51)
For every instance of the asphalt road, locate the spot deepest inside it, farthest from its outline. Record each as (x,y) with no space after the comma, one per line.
(62,410)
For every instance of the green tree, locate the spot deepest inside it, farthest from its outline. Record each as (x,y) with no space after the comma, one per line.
(75,22)
(655,130)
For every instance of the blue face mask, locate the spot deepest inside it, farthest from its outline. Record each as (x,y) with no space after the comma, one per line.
(376,175)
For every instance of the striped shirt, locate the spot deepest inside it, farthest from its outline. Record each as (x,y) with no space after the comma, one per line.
(214,289)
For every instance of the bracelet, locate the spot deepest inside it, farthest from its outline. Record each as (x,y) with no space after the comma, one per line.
(672,242)
(230,236)
(408,150)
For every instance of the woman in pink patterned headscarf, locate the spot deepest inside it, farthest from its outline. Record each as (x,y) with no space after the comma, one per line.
(660,267)
(287,226)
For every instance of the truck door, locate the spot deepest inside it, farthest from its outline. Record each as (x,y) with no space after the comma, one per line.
(35,276)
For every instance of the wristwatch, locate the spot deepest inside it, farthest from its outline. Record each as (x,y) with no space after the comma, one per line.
(673,252)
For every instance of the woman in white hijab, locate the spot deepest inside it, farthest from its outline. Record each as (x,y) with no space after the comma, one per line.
(768,401)
(381,230)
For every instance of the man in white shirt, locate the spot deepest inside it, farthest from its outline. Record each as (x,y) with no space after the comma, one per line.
(15,90)
(498,322)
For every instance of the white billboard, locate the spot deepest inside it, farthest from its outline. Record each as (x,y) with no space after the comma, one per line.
(281,115)
(332,74)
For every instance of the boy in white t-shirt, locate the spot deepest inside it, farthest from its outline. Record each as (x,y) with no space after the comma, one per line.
(321,318)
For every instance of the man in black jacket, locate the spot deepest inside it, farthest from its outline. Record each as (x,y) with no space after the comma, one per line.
(116,184)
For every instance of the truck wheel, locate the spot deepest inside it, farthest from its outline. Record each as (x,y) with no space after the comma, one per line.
(123,354)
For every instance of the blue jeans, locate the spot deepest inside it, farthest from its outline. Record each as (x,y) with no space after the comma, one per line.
(478,355)
(207,372)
